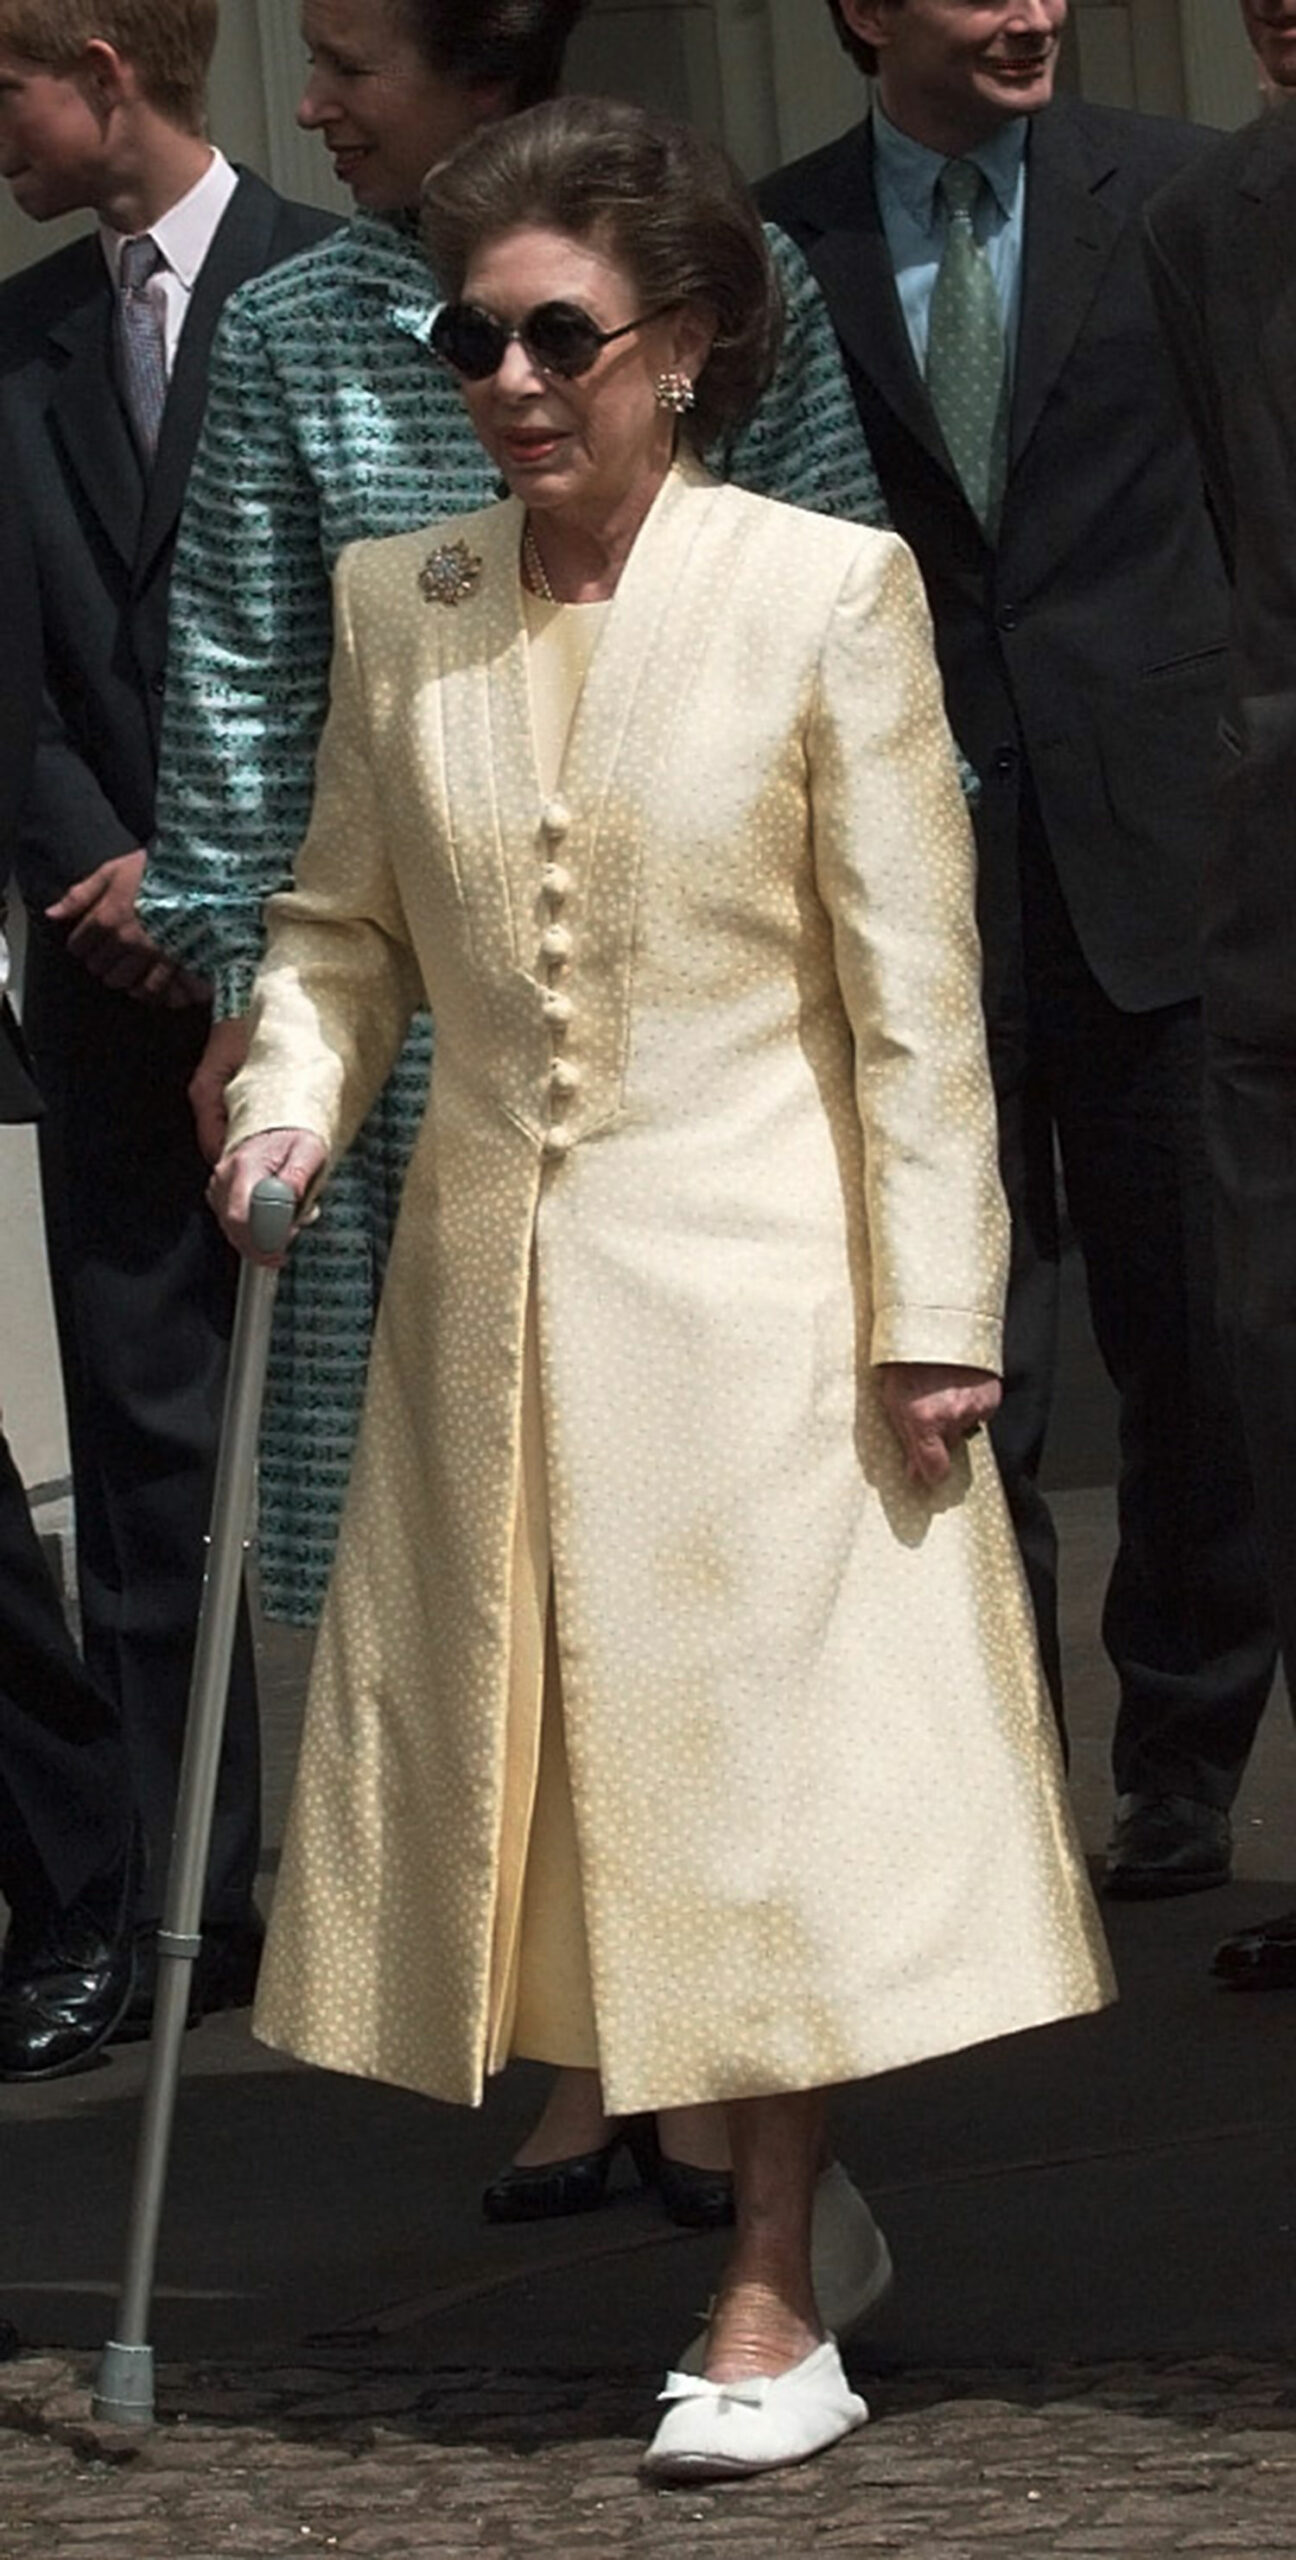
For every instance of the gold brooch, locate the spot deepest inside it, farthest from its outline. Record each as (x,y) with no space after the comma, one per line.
(450,574)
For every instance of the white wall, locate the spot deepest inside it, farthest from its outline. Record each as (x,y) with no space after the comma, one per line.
(30,1395)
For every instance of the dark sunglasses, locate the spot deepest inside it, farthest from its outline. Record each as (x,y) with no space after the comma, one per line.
(559,338)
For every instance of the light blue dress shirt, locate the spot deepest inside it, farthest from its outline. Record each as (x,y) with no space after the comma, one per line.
(915,222)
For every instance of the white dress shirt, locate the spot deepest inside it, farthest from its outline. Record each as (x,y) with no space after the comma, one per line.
(184,236)
(906,175)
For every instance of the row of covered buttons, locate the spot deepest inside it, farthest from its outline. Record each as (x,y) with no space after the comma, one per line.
(555,952)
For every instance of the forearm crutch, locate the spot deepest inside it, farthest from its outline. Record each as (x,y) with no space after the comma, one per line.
(124,2388)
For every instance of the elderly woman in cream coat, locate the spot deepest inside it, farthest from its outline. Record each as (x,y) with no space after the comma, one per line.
(675,1711)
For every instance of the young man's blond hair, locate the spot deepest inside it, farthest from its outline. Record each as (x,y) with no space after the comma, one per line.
(168,43)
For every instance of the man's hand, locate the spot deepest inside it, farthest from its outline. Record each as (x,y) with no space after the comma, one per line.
(107,937)
(210,1082)
(296,1155)
(931,1408)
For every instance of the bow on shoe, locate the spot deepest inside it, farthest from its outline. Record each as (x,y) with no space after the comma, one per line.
(716,2430)
(751,2394)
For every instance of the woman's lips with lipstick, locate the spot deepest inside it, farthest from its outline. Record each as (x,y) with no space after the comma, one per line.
(536,444)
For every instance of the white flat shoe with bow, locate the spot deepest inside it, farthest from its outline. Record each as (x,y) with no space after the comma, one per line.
(850,2263)
(726,2430)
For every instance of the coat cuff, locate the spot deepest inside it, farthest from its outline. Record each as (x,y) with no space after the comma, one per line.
(947,1337)
(260,1101)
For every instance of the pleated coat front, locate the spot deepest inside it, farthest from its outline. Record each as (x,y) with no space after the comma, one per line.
(710,1081)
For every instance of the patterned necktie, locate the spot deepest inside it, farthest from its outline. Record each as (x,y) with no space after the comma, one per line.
(141,341)
(967,353)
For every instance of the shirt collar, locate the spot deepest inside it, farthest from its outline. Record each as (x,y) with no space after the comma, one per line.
(185,234)
(912,169)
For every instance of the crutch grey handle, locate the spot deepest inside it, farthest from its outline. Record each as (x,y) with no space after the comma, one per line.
(273,1209)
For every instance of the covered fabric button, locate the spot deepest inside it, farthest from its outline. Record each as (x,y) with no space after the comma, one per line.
(564,1077)
(556,942)
(556,883)
(556,1143)
(555,819)
(556,1008)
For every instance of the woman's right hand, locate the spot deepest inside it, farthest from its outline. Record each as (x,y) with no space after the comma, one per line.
(297,1156)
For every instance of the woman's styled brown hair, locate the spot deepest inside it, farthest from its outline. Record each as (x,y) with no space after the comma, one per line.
(168,43)
(482,44)
(669,207)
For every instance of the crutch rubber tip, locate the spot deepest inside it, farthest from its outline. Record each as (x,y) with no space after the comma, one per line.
(123,2392)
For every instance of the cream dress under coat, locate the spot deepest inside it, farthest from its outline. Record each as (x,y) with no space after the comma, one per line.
(711,1083)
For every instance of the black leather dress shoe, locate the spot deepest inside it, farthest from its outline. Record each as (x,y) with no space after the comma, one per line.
(698,2199)
(62,1995)
(224,1975)
(578,2185)
(1259,1959)
(1166,1844)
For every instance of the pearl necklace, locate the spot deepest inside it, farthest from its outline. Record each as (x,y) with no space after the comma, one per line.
(535,568)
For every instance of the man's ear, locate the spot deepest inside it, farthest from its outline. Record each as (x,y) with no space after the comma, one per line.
(104,78)
(870,20)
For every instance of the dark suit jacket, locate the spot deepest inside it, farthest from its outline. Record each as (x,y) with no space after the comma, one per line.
(1223,251)
(19,713)
(1087,644)
(105,542)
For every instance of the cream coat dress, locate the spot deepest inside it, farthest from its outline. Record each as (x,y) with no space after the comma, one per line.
(711,1117)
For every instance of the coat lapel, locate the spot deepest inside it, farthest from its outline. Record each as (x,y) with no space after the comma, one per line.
(1070,234)
(87,418)
(1264,210)
(610,711)
(241,248)
(852,265)
(475,718)
(491,791)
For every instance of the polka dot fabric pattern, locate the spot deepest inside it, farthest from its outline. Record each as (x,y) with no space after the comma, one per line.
(329,421)
(822,1827)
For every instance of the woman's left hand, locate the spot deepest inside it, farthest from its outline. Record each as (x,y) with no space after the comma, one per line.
(931,1408)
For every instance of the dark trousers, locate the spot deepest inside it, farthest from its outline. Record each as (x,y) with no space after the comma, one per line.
(1116,1097)
(1251,1129)
(64,1801)
(143,1295)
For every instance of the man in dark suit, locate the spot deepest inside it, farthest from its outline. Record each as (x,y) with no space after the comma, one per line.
(66,1871)
(103,359)
(1223,249)
(978,246)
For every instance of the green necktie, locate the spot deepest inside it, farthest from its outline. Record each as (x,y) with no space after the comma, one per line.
(967,354)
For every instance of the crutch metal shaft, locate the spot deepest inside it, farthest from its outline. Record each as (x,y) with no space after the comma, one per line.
(124,2388)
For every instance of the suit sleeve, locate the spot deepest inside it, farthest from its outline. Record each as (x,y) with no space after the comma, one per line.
(336,991)
(895,866)
(68,827)
(804,443)
(247,678)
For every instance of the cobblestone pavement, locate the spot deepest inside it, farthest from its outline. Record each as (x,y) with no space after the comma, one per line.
(353,2452)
